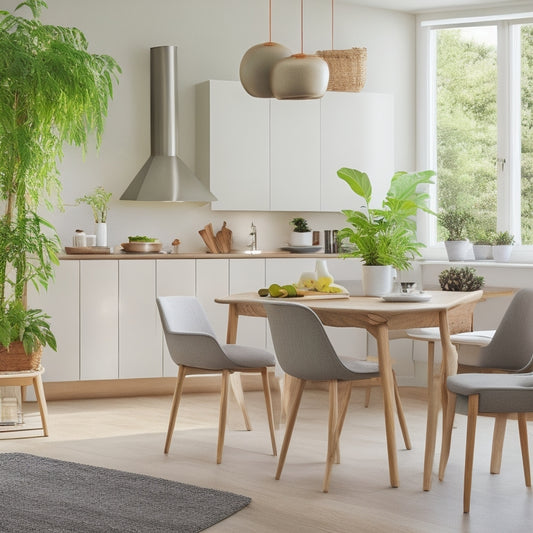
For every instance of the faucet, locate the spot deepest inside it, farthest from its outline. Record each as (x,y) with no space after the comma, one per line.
(253,233)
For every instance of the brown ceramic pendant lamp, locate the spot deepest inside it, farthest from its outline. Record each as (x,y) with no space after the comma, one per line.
(257,63)
(300,76)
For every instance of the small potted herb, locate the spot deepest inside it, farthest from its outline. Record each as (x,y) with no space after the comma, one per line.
(462,279)
(301,234)
(456,221)
(482,241)
(98,201)
(503,246)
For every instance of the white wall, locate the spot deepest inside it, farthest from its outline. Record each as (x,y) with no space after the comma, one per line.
(212,36)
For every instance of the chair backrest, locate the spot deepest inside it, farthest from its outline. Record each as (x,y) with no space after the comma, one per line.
(302,346)
(190,338)
(512,345)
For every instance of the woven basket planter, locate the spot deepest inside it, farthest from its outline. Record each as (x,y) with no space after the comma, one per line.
(16,358)
(347,69)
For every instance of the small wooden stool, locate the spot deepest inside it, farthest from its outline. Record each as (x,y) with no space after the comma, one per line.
(24,378)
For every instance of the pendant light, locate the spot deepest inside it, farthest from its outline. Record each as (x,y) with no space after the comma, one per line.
(257,62)
(300,76)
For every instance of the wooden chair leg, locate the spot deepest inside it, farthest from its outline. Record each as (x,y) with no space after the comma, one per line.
(367,396)
(182,372)
(332,425)
(299,385)
(343,393)
(447,434)
(522,429)
(500,422)
(473,407)
(270,413)
(223,414)
(401,415)
(236,387)
(41,400)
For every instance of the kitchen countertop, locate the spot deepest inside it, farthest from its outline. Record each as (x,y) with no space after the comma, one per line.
(190,255)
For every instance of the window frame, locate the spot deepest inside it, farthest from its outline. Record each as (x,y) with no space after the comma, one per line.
(508,113)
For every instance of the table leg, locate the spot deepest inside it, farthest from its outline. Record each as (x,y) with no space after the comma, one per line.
(432,416)
(387,381)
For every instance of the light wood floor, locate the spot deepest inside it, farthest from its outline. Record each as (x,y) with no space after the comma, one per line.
(128,434)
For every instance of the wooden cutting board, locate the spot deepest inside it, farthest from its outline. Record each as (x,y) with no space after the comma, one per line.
(314,295)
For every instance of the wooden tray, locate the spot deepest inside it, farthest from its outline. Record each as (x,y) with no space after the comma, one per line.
(87,250)
(315,295)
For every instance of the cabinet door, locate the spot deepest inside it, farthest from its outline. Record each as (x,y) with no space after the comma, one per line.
(248,275)
(295,155)
(175,277)
(212,281)
(233,146)
(98,319)
(357,132)
(61,301)
(140,342)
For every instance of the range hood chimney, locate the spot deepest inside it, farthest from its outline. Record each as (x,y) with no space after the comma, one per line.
(165,177)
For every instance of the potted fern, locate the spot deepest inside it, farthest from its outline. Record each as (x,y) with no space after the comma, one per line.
(384,239)
(40,113)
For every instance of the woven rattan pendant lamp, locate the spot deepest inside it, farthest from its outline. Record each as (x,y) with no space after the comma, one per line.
(257,62)
(300,76)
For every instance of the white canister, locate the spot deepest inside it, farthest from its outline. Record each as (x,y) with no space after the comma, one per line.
(80,239)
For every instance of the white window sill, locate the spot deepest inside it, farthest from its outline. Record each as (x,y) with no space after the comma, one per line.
(522,256)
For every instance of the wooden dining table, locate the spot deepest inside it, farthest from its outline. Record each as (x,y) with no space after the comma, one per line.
(450,311)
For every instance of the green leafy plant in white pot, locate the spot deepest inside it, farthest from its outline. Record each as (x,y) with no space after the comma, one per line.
(385,239)
(301,234)
(503,246)
(52,92)
(456,222)
(98,201)
(482,241)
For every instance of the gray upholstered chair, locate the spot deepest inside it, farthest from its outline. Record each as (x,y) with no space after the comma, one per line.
(194,347)
(305,353)
(474,394)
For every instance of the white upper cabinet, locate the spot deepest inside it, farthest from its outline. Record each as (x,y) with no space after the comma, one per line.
(357,132)
(283,155)
(233,146)
(295,155)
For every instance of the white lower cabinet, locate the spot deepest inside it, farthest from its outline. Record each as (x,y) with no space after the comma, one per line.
(62,302)
(140,342)
(98,319)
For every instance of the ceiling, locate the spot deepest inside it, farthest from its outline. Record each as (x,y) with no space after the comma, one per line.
(420,6)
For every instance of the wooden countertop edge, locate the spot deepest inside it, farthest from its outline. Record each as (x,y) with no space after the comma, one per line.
(191,255)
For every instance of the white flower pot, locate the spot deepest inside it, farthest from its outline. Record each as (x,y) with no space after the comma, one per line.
(457,250)
(101,234)
(301,238)
(377,280)
(502,252)
(482,252)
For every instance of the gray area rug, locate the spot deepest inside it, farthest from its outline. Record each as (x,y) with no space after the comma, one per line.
(41,494)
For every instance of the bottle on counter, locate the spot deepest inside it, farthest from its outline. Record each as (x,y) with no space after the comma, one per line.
(80,239)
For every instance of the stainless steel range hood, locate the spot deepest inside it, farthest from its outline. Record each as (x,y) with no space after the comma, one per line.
(165,177)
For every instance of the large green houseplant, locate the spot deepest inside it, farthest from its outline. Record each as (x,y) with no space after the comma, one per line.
(52,92)
(385,237)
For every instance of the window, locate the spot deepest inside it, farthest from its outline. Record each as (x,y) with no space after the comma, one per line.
(476,121)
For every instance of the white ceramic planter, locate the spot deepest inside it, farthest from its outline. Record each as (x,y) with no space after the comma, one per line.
(377,280)
(502,252)
(457,250)
(482,252)
(301,238)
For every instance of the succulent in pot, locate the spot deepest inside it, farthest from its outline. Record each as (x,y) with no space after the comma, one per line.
(462,279)
(301,234)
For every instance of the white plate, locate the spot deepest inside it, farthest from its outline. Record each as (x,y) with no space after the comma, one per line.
(302,249)
(413,297)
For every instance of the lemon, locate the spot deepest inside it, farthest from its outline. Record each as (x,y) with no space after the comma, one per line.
(323,282)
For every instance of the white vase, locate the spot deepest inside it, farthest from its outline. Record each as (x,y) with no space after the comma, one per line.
(377,280)
(304,238)
(101,234)
(457,250)
(502,252)
(321,269)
